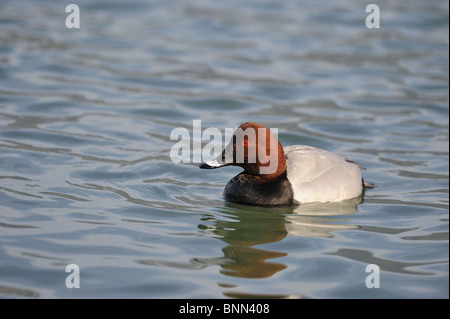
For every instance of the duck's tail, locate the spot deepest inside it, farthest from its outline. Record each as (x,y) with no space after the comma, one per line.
(367,185)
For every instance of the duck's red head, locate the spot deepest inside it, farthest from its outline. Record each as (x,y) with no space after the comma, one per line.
(256,149)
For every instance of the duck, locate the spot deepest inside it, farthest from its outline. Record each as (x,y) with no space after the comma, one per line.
(274,175)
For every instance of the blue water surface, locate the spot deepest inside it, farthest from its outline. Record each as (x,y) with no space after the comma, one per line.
(86,175)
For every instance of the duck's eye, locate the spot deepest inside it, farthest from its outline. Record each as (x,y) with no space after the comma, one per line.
(245,143)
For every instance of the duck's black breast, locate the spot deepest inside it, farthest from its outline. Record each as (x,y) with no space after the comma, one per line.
(249,190)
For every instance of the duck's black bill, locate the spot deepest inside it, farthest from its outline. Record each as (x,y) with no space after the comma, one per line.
(221,160)
(207,166)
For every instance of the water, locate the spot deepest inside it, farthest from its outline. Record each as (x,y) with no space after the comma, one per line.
(86,177)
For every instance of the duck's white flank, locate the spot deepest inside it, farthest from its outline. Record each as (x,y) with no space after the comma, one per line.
(317,175)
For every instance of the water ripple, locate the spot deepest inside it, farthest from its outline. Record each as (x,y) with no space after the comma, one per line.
(85,170)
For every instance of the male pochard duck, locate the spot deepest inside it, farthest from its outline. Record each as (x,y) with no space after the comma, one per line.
(274,176)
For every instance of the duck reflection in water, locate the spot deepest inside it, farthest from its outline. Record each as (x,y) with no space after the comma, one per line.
(242,232)
(244,228)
